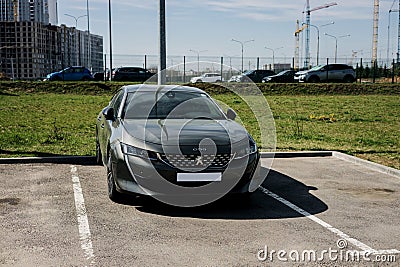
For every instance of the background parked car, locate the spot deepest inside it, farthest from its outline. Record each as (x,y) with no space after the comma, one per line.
(71,74)
(286,76)
(252,76)
(132,74)
(98,76)
(207,78)
(330,72)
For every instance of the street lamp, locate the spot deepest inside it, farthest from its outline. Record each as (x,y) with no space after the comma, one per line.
(76,30)
(110,37)
(316,27)
(198,58)
(273,55)
(336,42)
(242,44)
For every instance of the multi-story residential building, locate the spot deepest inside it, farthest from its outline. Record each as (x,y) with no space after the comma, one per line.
(30,47)
(29,10)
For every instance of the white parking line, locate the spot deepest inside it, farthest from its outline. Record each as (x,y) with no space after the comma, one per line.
(342,235)
(83,223)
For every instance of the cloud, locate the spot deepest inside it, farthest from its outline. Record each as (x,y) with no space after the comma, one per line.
(285,10)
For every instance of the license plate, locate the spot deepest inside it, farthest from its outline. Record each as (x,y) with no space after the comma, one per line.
(199,177)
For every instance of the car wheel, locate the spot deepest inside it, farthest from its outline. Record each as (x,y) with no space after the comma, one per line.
(313,79)
(85,78)
(199,81)
(113,194)
(56,78)
(218,81)
(348,79)
(99,159)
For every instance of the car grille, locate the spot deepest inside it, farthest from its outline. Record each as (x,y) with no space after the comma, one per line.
(197,161)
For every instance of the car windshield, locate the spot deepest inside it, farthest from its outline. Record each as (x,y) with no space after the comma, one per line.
(317,68)
(248,72)
(172,105)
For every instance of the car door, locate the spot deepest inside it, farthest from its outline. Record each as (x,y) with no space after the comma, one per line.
(67,74)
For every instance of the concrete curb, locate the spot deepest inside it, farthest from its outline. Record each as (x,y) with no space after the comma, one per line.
(368,164)
(82,160)
(298,154)
(87,160)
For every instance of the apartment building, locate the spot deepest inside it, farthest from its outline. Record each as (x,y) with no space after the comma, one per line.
(31,47)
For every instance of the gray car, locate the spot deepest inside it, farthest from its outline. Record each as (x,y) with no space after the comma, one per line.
(330,72)
(171,141)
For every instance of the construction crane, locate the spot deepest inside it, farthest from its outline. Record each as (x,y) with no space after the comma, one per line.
(297,46)
(308,22)
(15,5)
(375,33)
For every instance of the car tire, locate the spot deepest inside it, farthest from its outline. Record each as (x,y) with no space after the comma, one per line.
(218,81)
(56,78)
(86,79)
(199,81)
(113,194)
(348,79)
(99,159)
(313,79)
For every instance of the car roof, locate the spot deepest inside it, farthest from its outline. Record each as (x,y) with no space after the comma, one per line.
(162,88)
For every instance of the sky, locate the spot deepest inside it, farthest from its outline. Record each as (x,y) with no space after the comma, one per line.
(210,25)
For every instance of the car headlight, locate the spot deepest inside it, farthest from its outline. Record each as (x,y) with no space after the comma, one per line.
(138,152)
(247,150)
(252,145)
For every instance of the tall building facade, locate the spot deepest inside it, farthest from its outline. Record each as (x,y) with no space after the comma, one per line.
(31,46)
(43,11)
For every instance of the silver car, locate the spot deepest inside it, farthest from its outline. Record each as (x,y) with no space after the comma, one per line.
(174,142)
(330,72)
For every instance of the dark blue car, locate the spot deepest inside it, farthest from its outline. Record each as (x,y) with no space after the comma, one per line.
(71,74)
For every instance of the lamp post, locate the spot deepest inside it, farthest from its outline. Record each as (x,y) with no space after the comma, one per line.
(316,27)
(198,58)
(162,76)
(273,55)
(336,42)
(76,31)
(110,37)
(89,58)
(242,45)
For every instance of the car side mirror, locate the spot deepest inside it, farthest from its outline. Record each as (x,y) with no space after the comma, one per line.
(231,114)
(109,114)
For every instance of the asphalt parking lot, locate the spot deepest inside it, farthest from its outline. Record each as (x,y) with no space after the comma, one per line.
(318,210)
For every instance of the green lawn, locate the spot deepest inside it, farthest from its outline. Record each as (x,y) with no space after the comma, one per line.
(46,124)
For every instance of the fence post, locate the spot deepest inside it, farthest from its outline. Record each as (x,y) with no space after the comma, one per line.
(327,71)
(374,71)
(222,68)
(145,62)
(184,69)
(393,71)
(258,63)
(362,68)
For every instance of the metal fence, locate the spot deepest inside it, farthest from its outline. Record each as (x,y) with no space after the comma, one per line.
(182,68)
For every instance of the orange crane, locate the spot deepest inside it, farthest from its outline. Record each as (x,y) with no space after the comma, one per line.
(297,46)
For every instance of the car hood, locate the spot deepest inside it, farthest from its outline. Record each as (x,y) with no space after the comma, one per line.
(53,73)
(184,132)
(302,72)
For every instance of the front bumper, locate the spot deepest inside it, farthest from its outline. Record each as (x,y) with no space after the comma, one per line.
(148,177)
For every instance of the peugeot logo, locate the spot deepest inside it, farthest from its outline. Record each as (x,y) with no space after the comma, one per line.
(199,161)
(200,149)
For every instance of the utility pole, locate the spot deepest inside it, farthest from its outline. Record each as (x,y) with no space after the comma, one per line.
(162,78)
(110,36)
